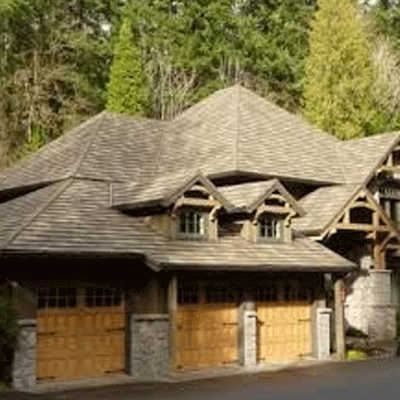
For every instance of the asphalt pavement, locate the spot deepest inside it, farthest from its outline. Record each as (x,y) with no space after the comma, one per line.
(372,379)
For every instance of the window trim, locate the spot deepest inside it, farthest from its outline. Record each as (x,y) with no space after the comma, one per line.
(279,228)
(202,224)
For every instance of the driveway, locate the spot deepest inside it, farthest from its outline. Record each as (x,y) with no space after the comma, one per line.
(372,379)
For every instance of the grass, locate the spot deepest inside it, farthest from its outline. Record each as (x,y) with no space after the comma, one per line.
(356,355)
(3,387)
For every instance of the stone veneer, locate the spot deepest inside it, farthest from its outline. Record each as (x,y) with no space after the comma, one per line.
(149,338)
(24,367)
(368,306)
(323,321)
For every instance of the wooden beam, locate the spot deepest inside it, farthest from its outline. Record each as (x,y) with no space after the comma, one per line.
(195,202)
(173,312)
(362,227)
(340,338)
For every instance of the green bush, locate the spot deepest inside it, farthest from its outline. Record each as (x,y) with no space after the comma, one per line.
(8,337)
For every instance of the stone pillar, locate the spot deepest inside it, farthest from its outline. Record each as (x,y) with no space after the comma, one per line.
(250,338)
(149,346)
(382,313)
(24,367)
(323,333)
(369,307)
(248,331)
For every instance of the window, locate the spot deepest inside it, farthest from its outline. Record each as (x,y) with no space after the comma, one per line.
(192,223)
(271,228)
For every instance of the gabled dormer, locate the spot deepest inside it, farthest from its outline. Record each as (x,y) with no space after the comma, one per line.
(262,212)
(179,206)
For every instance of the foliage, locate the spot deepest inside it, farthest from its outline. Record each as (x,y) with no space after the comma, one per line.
(54,63)
(8,336)
(355,354)
(337,93)
(193,48)
(127,91)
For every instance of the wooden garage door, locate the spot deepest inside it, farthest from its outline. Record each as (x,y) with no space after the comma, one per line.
(80,333)
(207,330)
(284,327)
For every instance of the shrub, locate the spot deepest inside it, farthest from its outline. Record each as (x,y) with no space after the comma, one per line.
(8,336)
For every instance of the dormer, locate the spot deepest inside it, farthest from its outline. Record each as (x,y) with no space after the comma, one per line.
(179,206)
(265,210)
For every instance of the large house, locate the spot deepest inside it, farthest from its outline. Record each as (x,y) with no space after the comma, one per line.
(144,247)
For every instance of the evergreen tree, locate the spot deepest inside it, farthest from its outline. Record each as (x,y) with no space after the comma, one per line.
(337,92)
(127,90)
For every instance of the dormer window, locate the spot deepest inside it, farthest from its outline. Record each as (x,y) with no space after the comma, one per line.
(192,224)
(270,228)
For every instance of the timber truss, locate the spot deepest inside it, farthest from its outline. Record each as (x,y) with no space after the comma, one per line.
(364,215)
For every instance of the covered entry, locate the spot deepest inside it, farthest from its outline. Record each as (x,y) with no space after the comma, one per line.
(80,332)
(207,327)
(284,323)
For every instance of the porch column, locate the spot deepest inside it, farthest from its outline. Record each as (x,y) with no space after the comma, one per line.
(340,338)
(173,310)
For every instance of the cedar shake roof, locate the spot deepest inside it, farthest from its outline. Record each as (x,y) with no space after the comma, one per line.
(74,217)
(106,147)
(235,130)
(67,190)
(361,157)
(162,190)
(321,206)
(250,195)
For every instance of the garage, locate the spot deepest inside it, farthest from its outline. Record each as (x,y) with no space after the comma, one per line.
(207,327)
(80,332)
(284,323)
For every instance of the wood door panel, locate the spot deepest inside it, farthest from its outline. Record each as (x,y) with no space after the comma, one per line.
(207,335)
(284,330)
(80,341)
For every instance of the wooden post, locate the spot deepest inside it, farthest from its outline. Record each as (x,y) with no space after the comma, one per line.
(339,319)
(173,310)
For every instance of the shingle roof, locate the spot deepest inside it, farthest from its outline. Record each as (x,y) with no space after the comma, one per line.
(321,206)
(107,146)
(236,130)
(249,195)
(75,217)
(163,190)
(360,157)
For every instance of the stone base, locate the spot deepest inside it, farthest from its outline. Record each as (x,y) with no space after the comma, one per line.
(368,305)
(24,366)
(149,338)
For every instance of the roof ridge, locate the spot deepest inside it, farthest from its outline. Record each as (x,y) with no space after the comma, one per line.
(33,216)
(74,170)
(341,166)
(238,122)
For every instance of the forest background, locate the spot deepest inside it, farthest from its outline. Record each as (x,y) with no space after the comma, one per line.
(62,61)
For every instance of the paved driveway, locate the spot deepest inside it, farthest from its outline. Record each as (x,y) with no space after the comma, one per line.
(376,379)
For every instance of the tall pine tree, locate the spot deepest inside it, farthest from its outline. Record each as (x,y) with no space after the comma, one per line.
(337,92)
(127,92)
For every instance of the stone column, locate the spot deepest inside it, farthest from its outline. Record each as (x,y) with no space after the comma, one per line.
(323,333)
(369,307)
(382,313)
(149,346)
(24,367)
(248,329)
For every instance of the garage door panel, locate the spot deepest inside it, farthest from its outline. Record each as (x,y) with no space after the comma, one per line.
(207,335)
(80,340)
(284,330)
